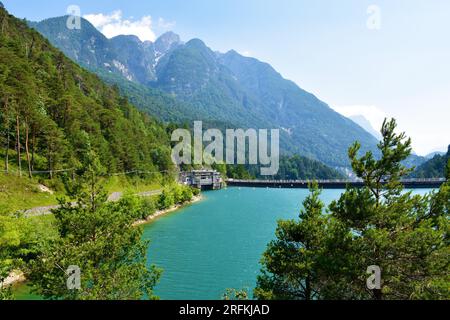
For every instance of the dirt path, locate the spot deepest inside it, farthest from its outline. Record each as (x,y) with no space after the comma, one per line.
(115,196)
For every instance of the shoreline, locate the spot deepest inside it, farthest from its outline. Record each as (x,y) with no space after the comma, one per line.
(161,213)
(14,278)
(17,277)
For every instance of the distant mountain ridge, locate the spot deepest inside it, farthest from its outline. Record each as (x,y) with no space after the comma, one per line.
(366,125)
(433,154)
(224,87)
(433,168)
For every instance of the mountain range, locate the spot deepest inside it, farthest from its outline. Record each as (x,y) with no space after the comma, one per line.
(193,82)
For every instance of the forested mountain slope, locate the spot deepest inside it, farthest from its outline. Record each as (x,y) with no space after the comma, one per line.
(433,168)
(57,113)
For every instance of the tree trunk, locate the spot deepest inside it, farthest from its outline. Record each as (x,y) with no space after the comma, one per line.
(7,136)
(308,289)
(19,159)
(7,151)
(50,162)
(27,149)
(33,148)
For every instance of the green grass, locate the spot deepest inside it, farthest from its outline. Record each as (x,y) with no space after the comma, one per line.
(19,193)
(120,184)
(22,193)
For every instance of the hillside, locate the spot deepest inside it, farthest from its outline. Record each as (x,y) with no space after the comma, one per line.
(60,116)
(433,168)
(299,168)
(228,88)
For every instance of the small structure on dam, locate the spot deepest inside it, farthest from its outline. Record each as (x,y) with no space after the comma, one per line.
(202,179)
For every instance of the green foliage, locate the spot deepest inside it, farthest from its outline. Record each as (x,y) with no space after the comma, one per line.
(21,240)
(98,237)
(148,206)
(239,171)
(301,168)
(21,193)
(434,168)
(291,261)
(56,111)
(176,194)
(166,199)
(325,256)
(394,149)
(235,295)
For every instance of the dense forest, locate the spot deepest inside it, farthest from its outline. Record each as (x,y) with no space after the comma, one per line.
(53,112)
(433,168)
(296,167)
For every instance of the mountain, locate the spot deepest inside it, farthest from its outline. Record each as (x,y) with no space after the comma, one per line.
(58,113)
(229,88)
(433,154)
(366,125)
(433,168)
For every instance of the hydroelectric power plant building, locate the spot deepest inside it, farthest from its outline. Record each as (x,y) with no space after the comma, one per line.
(202,179)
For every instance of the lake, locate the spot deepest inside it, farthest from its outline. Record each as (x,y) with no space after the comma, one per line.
(217,243)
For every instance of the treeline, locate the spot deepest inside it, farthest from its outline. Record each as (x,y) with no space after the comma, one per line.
(53,113)
(175,195)
(291,168)
(172,195)
(301,168)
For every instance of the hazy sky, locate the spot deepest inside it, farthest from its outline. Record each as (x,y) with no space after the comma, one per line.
(376,58)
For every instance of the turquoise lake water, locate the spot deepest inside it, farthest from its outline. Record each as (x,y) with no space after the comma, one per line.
(217,243)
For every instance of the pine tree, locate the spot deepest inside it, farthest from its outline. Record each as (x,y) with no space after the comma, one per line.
(381,225)
(291,263)
(99,238)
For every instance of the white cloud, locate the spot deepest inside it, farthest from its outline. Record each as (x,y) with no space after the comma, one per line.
(114,24)
(373,114)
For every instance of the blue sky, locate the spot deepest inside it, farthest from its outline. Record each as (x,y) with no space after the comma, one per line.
(399,69)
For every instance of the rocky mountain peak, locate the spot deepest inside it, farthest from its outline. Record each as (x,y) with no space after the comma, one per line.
(167,42)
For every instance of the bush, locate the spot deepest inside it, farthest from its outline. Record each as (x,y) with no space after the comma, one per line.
(187,194)
(166,199)
(148,207)
(176,194)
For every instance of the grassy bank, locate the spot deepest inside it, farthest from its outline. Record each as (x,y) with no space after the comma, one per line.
(23,193)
